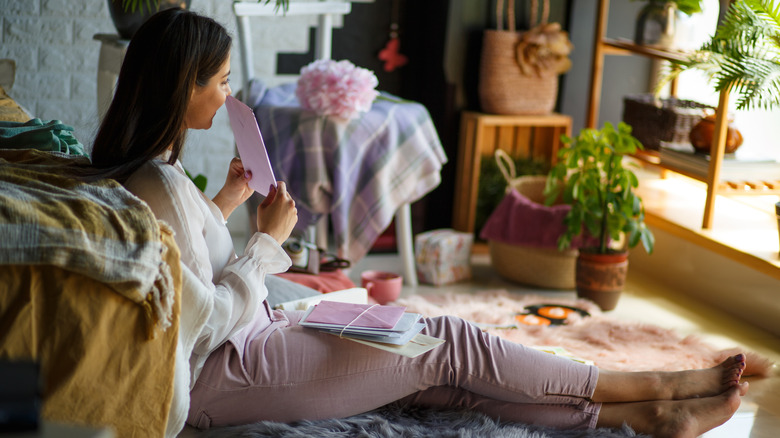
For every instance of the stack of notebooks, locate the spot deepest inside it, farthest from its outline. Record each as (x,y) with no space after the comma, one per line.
(388,328)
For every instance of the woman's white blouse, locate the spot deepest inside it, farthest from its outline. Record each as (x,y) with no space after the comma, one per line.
(234,287)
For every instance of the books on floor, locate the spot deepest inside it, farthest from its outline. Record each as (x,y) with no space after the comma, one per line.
(734,167)
(389,328)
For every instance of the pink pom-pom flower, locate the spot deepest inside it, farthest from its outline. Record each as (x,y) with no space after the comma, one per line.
(336,88)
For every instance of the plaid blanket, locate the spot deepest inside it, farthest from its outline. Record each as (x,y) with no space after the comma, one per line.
(359,171)
(99,230)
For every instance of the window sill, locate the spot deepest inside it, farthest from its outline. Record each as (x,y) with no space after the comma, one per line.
(744,227)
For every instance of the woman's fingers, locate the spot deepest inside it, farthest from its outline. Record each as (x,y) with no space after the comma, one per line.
(271,195)
(277,215)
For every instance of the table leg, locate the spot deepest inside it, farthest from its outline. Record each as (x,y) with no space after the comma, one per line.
(403,222)
(321,232)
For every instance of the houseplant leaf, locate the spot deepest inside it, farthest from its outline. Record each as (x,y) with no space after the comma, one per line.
(590,176)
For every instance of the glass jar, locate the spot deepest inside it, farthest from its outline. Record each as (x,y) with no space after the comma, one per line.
(656,23)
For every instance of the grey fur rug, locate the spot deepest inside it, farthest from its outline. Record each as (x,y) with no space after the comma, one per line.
(392,421)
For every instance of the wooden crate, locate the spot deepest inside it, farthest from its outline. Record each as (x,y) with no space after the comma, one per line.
(532,136)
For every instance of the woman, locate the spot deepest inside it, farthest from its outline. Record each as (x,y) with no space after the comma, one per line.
(250,363)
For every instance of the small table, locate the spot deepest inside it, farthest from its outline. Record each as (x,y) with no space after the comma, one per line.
(360,173)
(112,53)
(533,136)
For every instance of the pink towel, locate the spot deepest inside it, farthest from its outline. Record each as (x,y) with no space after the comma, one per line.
(520,221)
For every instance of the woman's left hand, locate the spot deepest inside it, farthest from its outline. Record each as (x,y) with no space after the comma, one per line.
(236,189)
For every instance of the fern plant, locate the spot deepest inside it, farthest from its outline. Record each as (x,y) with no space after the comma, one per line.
(743,56)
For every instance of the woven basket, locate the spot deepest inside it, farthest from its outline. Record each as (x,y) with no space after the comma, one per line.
(661,120)
(542,267)
(503,88)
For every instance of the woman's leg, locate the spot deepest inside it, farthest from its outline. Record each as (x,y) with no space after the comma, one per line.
(292,373)
(616,386)
(288,373)
(448,397)
(660,418)
(674,418)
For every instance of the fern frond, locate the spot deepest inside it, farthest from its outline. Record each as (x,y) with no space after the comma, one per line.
(744,54)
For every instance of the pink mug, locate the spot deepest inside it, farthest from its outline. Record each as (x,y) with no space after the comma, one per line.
(384,287)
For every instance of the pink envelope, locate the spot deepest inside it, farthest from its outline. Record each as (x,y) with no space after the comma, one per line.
(331,312)
(251,147)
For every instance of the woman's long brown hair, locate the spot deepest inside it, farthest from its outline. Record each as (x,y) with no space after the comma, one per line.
(171,53)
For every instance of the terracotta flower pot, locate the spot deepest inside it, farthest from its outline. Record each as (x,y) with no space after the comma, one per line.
(601,277)
(702,133)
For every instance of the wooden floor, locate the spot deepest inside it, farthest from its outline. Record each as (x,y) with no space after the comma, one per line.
(646,300)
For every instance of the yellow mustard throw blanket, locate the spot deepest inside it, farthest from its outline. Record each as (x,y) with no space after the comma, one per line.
(99,229)
(87,276)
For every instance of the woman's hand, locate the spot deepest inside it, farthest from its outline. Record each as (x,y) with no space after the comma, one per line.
(235,191)
(277,215)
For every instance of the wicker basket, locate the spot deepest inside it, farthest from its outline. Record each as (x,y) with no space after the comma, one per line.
(502,87)
(547,268)
(542,267)
(661,120)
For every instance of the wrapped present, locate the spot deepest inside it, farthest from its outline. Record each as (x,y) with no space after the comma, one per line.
(443,256)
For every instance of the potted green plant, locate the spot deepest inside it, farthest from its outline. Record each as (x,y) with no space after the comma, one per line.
(591,177)
(128,15)
(743,56)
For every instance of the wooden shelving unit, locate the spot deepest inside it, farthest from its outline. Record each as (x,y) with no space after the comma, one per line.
(603,46)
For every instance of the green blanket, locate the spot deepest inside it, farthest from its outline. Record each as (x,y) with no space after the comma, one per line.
(52,136)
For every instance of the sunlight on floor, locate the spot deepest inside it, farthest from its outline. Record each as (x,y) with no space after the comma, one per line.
(647,301)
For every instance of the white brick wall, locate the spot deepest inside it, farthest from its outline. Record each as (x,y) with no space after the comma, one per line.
(56,70)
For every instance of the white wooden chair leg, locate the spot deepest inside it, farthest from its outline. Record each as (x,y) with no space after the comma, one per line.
(403,235)
(321,233)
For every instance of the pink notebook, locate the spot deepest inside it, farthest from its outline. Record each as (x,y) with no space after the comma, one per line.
(251,147)
(331,312)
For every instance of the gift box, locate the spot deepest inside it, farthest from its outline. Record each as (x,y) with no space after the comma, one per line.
(443,256)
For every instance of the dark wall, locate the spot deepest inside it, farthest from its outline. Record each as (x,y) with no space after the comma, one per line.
(423,28)
(365,32)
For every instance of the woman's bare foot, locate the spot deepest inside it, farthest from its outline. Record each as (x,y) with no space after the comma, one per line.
(674,418)
(706,382)
(613,387)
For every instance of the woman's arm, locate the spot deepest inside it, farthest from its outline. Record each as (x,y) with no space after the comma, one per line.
(235,284)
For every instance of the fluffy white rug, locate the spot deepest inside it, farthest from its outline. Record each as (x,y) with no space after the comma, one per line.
(392,421)
(609,342)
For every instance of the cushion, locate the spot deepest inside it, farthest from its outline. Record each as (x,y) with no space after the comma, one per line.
(323,282)
(281,290)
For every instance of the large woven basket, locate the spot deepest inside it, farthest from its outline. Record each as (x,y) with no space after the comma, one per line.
(503,87)
(661,120)
(542,267)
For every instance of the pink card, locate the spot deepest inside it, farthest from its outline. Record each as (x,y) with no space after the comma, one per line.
(250,145)
(331,312)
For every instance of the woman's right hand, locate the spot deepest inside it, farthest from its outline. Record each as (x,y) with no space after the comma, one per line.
(277,215)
